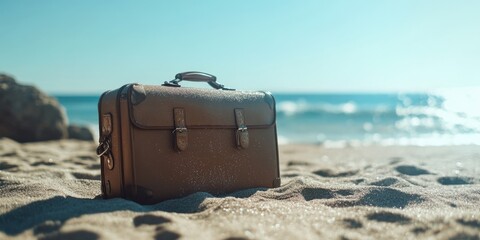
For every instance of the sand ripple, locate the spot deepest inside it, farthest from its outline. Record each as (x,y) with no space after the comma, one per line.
(51,190)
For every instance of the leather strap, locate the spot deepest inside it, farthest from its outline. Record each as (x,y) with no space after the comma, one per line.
(104,148)
(242,131)
(106,124)
(180,132)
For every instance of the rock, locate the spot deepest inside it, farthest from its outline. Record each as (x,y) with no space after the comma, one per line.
(80,133)
(29,115)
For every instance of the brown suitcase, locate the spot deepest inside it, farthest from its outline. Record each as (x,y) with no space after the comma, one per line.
(164,142)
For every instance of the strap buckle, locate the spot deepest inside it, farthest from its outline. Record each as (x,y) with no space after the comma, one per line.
(242,129)
(180,130)
(103,148)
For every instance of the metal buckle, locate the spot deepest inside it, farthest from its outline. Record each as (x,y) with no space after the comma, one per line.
(242,129)
(172,83)
(180,130)
(103,148)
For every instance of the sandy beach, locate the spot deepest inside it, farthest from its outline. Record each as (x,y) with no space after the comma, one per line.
(51,190)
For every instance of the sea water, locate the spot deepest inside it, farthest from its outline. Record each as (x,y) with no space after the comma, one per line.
(339,119)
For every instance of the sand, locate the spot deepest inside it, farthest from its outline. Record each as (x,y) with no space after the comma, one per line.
(50,190)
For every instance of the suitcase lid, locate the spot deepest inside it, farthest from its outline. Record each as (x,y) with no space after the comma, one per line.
(152,107)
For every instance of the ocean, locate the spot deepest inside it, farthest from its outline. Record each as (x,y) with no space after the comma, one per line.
(340,119)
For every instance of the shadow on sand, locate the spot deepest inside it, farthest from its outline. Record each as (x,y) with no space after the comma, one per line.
(60,209)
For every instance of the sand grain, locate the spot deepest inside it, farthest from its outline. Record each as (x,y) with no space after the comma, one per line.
(50,190)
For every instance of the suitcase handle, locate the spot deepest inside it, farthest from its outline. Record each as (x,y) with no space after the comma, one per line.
(194,76)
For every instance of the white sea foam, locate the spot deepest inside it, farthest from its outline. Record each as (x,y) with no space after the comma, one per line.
(426,140)
(290,108)
(349,107)
(282,140)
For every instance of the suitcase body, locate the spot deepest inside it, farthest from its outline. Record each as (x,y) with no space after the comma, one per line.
(164,142)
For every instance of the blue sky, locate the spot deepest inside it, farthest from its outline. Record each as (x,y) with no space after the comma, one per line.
(317,46)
